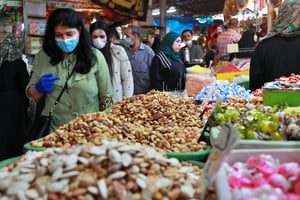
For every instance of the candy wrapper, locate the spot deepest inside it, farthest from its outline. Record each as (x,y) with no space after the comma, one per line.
(225,90)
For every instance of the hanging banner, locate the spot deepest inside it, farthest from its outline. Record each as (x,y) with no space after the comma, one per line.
(136,9)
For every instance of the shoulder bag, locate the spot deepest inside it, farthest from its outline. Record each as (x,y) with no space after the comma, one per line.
(41,126)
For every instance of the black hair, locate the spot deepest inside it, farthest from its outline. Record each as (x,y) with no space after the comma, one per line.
(187,30)
(113,32)
(69,18)
(107,49)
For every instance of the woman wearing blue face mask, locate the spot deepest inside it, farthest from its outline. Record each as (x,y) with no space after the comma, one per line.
(117,60)
(67,46)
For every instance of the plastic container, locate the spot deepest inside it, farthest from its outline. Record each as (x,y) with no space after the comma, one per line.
(278,96)
(9,161)
(221,182)
(195,83)
(196,156)
(262,144)
(244,84)
(28,147)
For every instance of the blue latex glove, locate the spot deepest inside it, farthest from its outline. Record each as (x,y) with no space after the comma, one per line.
(46,83)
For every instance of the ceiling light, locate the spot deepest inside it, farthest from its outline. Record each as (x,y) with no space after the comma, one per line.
(156,11)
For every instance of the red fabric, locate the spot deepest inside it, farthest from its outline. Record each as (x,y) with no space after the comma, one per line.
(228,37)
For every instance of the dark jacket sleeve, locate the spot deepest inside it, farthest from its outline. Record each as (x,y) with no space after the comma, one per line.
(256,69)
(156,74)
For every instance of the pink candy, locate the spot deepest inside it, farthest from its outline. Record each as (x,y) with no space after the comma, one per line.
(277,180)
(263,176)
(265,169)
(289,169)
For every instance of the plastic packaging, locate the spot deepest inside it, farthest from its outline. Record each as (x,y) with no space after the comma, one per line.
(195,83)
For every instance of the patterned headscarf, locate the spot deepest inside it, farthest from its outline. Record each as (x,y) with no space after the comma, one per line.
(287,23)
(11,48)
(167,43)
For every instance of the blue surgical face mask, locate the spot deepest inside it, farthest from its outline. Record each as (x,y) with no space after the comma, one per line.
(67,45)
(129,41)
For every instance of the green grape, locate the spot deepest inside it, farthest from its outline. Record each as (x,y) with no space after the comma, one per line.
(250,134)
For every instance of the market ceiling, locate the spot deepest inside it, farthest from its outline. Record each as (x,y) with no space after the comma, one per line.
(195,8)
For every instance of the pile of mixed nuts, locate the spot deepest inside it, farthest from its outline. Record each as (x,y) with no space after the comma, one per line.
(112,170)
(165,122)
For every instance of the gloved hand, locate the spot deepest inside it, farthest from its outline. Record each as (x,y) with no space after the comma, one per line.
(46,83)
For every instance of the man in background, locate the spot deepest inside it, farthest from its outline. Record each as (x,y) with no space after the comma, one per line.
(230,36)
(195,52)
(140,56)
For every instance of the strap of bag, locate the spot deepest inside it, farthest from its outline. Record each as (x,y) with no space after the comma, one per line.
(62,91)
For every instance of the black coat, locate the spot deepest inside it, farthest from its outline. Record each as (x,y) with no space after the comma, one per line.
(13,106)
(167,78)
(274,57)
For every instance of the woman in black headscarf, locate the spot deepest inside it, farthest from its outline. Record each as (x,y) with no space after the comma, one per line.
(13,101)
(279,54)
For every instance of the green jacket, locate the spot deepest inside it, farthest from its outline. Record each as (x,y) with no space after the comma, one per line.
(84,92)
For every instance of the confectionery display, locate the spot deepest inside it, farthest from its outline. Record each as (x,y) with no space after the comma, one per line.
(258,121)
(285,83)
(263,177)
(225,90)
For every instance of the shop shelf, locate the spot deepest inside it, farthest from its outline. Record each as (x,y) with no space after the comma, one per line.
(242,155)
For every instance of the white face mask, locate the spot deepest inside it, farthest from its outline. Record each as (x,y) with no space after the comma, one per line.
(188,42)
(99,43)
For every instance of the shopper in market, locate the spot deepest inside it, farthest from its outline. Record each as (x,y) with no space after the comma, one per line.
(117,60)
(230,36)
(114,37)
(140,56)
(13,101)
(279,54)
(167,71)
(195,52)
(67,46)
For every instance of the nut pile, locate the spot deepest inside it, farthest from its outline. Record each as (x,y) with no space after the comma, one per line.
(112,170)
(165,122)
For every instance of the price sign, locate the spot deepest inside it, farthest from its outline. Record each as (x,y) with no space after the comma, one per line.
(225,141)
(207,99)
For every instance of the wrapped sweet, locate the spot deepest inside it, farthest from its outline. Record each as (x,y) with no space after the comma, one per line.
(263,177)
(225,90)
